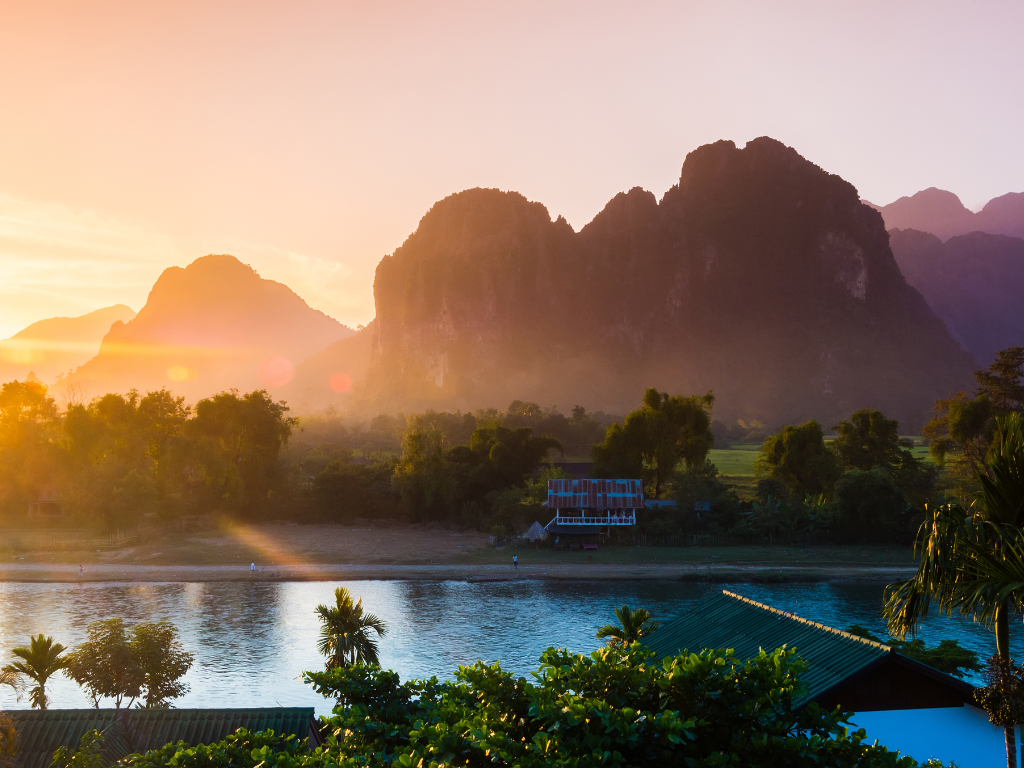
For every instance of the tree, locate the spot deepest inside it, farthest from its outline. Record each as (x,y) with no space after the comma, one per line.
(798,457)
(423,476)
(498,458)
(10,743)
(652,440)
(948,656)
(105,664)
(972,560)
(345,631)
(869,507)
(12,680)
(1003,382)
(633,626)
(162,660)
(39,662)
(148,662)
(963,427)
(867,439)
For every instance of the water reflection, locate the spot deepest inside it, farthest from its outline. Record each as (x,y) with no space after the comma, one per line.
(253,640)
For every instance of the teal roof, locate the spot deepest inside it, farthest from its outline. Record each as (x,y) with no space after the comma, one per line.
(731,621)
(139,730)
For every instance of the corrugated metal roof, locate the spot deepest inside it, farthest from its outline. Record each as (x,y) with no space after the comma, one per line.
(138,730)
(595,494)
(732,621)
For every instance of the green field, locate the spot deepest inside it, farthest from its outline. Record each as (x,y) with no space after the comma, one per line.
(736,464)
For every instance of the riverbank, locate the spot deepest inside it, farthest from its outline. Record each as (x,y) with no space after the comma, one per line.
(330,552)
(57,573)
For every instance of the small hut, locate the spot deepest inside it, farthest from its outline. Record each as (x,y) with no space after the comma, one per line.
(536,532)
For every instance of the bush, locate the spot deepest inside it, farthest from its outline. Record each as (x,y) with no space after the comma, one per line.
(343,492)
(869,508)
(615,707)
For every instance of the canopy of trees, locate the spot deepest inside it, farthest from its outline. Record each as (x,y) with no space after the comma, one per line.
(616,707)
(653,440)
(121,455)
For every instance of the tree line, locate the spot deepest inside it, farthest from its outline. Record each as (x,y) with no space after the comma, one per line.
(143,664)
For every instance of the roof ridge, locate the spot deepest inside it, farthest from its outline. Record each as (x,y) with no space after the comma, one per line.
(817,625)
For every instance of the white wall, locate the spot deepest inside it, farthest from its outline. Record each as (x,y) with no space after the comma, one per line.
(963,734)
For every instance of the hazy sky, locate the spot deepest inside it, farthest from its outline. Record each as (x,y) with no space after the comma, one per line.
(308,138)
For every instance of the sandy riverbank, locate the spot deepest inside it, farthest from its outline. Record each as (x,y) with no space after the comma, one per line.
(51,572)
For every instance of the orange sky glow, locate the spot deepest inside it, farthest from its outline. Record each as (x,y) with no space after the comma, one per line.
(308,138)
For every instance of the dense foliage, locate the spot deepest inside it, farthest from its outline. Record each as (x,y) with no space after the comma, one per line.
(948,656)
(651,441)
(121,455)
(616,707)
(962,429)
(146,662)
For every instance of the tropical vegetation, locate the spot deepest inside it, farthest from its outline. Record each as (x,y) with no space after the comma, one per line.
(38,662)
(145,663)
(972,559)
(633,626)
(347,632)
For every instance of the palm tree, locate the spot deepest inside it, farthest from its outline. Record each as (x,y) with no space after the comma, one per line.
(345,631)
(38,662)
(632,626)
(12,680)
(972,560)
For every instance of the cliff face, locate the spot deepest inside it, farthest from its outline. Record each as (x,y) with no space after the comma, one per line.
(759,275)
(974,282)
(212,325)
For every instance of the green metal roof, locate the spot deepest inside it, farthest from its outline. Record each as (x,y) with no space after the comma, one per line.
(731,621)
(139,730)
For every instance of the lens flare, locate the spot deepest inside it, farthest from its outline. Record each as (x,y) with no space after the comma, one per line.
(341,382)
(177,373)
(276,372)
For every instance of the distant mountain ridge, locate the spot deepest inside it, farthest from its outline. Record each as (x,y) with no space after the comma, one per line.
(942,214)
(758,275)
(975,282)
(213,325)
(55,346)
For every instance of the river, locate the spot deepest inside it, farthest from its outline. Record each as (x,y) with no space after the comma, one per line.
(253,640)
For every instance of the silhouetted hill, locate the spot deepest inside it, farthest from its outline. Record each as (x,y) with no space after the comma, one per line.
(974,282)
(55,346)
(331,376)
(942,214)
(759,275)
(213,325)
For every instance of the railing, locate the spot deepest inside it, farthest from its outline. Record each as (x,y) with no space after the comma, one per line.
(629,519)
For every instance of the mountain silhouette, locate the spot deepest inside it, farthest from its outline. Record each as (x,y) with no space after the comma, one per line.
(333,375)
(974,282)
(53,347)
(942,214)
(213,325)
(759,275)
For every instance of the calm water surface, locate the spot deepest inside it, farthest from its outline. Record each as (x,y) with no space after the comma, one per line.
(253,640)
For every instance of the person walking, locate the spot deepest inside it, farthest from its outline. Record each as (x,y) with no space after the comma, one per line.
(252,568)
(515,561)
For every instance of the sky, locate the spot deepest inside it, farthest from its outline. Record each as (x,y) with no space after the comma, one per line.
(309,138)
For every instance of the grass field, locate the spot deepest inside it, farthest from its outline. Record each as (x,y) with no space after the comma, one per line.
(736,464)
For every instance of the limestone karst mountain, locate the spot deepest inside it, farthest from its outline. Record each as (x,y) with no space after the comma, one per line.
(213,325)
(53,347)
(942,214)
(333,376)
(759,275)
(974,282)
